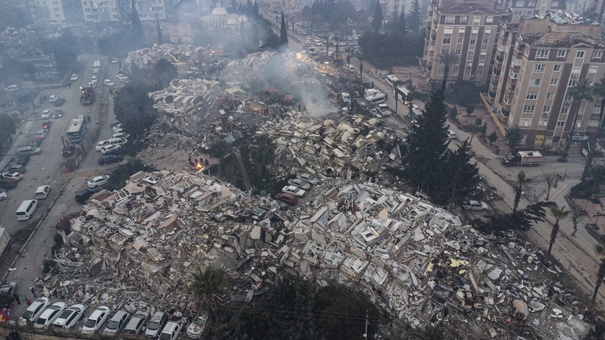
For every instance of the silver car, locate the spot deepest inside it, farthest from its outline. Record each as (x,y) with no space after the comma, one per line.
(116,323)
(156,324)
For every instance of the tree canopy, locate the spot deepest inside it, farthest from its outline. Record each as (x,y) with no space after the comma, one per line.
(164,72)
(377,18)
(517,220)
(134,108)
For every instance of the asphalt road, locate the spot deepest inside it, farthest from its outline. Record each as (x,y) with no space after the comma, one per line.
(46,169)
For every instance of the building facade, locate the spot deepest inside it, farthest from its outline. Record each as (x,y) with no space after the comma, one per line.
(47,11)
(530,8)
(118,10)
(537,62)
(467,30)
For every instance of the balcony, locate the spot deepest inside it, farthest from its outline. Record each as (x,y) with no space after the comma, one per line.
(499,58)
(491,95)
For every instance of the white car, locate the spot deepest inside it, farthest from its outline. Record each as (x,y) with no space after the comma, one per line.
(69,317)
(50,315)
(42,192)
(114,60)
(74,77)
(98,181)
(118,128)
(115,324)
(120,135)
(196,328)
(155,325)
(3,195)
(300,183)
(45,114)
(53,98)
(171,331)
(15,176)
(33,312)
(108,82)
(308,178)
(93,78)
(475,205)
(110,148)
(100,145)
(290,189)
(122,77)
(96,320)
(136,322)
(451,134)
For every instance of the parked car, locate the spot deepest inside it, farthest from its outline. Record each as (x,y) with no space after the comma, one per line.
(197,327)
(83,195)
(120,135)
(108,82)
(15,168)
(300,183)
(115,123)
(58,114)
(109,159)
(59,101)
(45,114)
(156,323)
(23,159)
(3,195)
(136,322)
(115,324)
(98,181)
(171,331)
(451,134)
(47,124)
(52,98)
(74,77)
(117,128)
(50,315)
(33,312)
(69,317)
(308,178)
(114,60)
(475,205)
(94,77)
(296,191)
(96,320)
(7,184)
(42,192)
(113,149)
(12,88)
(122,77)
(286,198)
(41,134)
(15,176)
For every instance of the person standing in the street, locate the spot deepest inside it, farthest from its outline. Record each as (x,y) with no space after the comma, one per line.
(33,292)
(28,301)
(17,298)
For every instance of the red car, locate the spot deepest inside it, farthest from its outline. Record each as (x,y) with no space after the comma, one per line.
(289,199)
(47,124)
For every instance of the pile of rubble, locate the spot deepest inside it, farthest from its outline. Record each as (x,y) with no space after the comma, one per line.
(416,261)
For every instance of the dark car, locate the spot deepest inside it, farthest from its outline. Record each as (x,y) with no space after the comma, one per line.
(286,198)
(83,195)
(108,159)
(7,184)
(114,152)
(58,114)
(59,101)
(47,124)
(15,168)
(23,159)
(69,150)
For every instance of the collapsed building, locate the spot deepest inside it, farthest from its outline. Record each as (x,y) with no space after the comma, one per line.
(418,262)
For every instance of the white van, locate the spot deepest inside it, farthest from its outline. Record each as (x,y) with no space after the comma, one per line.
(28,150)
(376,99)
(12,88)
(26,210)
(370,92)
(391,79)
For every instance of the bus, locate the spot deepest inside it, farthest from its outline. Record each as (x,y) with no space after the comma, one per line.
(96,66)
(76,129)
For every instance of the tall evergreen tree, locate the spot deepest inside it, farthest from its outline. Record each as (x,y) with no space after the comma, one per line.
(378,18)
(255,10)
(459,177)
(137,27)
(427,149)
(414,18)
(402,25)
(283,33)
(160,37)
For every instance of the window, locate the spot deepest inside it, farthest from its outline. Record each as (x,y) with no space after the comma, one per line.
(542,54)
(463,19)
(532,95)
(553,81)
(448,30)
(489,19)
(593,122)
(471,54)
(579,122)
(554,4)
(529,12)
(473,41)
(446,41)
(561,53)
(565,109)
(57,15)
(539,68)
(531,4)
(445,51)
(557,68)
(561,123)
(485,40)
(479,72)
(546,109)
(517,13)
(449,19)
(593,69)
(597,54)
(596,109)
(580,54)
(525,122)
(528,108)
(519,3)
(535,82)
(549,95)
(461,30)
(440,73)
(543,122)
(572,83)
(458,51)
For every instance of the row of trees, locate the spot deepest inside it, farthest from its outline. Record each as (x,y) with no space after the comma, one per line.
(8,128)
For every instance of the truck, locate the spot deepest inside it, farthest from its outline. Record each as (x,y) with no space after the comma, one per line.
(87,95)
(523,158)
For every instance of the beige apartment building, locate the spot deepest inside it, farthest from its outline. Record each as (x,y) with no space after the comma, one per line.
(47,11)
(537,61)
(117,10)
(468,30)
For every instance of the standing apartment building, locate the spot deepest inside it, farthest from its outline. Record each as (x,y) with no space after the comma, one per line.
(117,10)
(470,31)
(537,61)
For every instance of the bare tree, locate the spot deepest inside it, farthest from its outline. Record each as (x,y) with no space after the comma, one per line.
(576,214)
(551,179)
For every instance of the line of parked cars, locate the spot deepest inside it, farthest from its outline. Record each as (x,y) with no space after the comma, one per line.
(297,187)
(42,315)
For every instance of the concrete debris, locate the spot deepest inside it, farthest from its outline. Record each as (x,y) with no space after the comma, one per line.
(415,260)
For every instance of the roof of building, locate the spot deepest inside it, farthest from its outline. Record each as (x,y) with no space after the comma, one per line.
(560,39)
(468,8)
(219,11)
